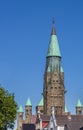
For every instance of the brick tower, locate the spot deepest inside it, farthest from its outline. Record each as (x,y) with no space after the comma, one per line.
(54,91)
(28,111)
(79,108)
(20,113)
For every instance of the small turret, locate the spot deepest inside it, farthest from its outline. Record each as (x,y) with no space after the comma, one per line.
(20,113)
(39,107)
(66,110)
(79,108)
(28,111)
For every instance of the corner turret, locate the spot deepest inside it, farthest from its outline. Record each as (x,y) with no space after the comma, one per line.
(28,111)
(66,110)
(79,108)
(39,107)
(20,113)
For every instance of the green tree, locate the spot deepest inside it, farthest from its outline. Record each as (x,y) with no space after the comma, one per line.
(8,109)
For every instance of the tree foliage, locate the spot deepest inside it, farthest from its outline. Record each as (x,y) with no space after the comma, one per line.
(8,109)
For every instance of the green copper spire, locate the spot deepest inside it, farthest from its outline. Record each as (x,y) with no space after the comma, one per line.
(53,49)
(66,110)
(28,103)
(48,69)
(41,102)
(20,110)
(79,104)
(61,69)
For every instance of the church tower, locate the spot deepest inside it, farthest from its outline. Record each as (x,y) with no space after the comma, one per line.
(54,91)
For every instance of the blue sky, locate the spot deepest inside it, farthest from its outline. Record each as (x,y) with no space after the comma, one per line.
(25,28)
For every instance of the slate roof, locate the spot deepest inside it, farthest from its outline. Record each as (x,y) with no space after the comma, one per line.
(73,123)
(34,117)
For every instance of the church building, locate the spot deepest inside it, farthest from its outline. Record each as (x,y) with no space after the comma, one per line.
(51,111)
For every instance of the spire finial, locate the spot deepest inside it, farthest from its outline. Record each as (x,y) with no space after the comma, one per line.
(53,21)
(53,29)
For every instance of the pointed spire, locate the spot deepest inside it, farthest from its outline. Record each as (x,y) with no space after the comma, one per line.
(53,28)
(20,110)
(41,102)
(79,104)
(48,69)
(66,110)
(28,102)
(53,49)
(61,69)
